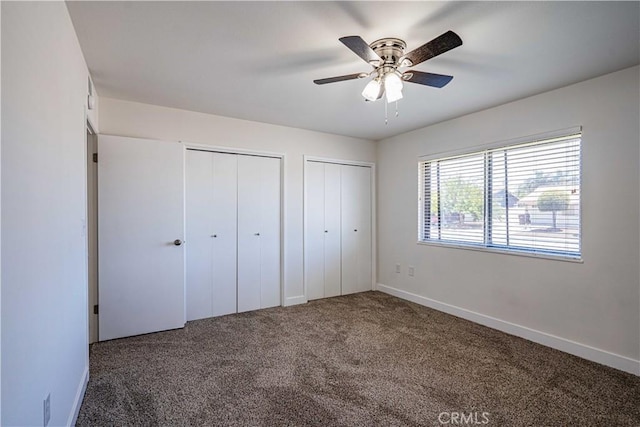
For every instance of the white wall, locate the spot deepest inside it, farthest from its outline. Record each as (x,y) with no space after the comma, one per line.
(148,121)
(591,308)
(44,286)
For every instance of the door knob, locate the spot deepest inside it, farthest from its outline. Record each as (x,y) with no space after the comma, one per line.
(256,234)
(326,231)
(177,242)
(356,230)
(214,235)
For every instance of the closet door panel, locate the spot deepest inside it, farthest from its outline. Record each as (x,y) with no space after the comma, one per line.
(223,232)
(314,236)
(332,229)
(199,252)
(356,229)
(269,211)
(249,224)
(365,230)
(350,201)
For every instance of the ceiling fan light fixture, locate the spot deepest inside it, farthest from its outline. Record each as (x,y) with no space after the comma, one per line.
(387,56)
(393,86)
(372,90)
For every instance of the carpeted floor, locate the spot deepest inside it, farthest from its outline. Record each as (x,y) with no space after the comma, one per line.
(360,360)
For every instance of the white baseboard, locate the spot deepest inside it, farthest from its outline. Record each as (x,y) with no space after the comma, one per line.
(300,299)
(82,387)
(581,350)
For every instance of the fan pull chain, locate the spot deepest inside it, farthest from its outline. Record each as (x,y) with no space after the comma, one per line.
(386,120)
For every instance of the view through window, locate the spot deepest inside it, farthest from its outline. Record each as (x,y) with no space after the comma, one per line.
(524,198)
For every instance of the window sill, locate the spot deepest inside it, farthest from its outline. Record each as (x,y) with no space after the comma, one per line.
(497,250)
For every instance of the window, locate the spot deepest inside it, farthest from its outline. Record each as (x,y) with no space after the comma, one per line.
(521,198)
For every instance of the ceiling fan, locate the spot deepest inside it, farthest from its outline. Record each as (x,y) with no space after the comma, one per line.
(387,56)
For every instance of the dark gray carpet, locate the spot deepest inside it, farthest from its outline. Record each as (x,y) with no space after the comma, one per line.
(360,360)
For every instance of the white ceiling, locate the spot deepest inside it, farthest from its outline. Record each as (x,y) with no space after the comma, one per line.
(257,60)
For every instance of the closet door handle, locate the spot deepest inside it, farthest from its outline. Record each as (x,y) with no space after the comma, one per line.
(356,230)
(256,234)
(326,231)
(214,235)
(177,242)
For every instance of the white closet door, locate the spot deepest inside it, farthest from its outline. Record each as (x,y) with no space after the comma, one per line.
(248,233)
(332,230)
(223,233)
(356,229)
(269,232)
(199,223)
(364,227)
(314,236)
(350,201)
(140,215)
(258,232)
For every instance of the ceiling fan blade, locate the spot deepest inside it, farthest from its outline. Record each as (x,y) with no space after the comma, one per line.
(435,47)
(362,49)
(427,79)
(340,78)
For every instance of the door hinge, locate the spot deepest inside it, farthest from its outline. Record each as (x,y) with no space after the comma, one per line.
(95,157)
(95,309)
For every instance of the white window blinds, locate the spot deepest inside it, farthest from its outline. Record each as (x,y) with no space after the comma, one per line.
(524,197)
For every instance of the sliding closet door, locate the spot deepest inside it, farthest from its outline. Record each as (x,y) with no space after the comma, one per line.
(332,230)
(356,229)
(258,232)
(314,234)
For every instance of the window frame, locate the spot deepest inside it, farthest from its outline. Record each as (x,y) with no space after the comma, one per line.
(541,138)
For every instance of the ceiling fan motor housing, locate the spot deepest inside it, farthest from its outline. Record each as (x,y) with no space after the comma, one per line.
(390,50)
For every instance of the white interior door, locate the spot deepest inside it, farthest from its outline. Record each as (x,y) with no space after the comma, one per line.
(211,223)
(314,234)
(258,232)
(249,228)
(356,229)
(269,211)
(199,206)
(365,231)
(350,200)
(224,233)
(140,215)
(332,230)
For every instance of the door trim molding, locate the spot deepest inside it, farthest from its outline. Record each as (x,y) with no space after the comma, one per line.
(231,150)
(374,244)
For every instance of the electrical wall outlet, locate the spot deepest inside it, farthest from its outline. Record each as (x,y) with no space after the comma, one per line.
(47,410)
(411,271)
(397,268)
